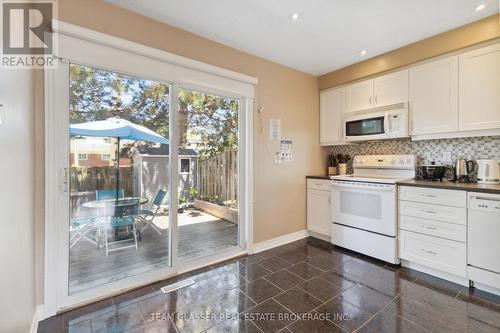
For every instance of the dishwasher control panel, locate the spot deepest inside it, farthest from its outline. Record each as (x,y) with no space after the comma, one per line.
(486,203)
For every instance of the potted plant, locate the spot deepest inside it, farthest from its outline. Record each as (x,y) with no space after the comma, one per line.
(342,159)
(332,164)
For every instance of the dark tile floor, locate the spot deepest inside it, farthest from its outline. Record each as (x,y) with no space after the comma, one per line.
(305,286)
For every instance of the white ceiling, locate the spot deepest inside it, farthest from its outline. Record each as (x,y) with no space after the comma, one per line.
(329,33)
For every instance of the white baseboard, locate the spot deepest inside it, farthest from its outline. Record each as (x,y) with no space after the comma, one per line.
(34,322)
(282,240)
(486,288)
(326,238)
(442,275)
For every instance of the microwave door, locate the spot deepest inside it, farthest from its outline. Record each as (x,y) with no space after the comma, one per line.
(365,127)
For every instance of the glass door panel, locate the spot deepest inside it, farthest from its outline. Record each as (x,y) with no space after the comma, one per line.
(208,173)
(118,177)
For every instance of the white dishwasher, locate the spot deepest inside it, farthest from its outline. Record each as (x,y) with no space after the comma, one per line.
(483,243)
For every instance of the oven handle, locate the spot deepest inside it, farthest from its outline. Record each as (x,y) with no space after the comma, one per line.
(389,188)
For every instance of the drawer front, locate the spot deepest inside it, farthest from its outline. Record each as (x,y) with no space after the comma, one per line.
(433,212)
(319,184)
(433,196)
(446,230)
(441,254)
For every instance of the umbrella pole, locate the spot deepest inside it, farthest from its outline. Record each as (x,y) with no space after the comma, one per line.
(117,171)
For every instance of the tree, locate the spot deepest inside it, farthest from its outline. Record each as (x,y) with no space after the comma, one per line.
(214,119)
(97,94)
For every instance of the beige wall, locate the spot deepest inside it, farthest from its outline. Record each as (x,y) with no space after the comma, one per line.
(280,197)
(17,289)
(465,36)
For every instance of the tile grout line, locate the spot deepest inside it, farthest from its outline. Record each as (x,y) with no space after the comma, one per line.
(376,313)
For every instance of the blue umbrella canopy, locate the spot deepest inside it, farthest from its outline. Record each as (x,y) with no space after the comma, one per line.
(117,128)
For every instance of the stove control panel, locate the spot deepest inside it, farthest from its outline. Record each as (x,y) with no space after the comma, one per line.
(407,162)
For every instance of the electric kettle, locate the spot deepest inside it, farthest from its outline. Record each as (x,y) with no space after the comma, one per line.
(488,171)
(463,168)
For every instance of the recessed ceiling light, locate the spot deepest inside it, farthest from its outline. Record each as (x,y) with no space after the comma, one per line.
(363,52)
(295,16)
(480,7)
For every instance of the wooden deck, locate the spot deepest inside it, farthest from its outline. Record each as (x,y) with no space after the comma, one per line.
(199,234)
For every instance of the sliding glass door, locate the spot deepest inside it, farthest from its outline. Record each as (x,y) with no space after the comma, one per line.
(208,173)
(118,176)
(127,145)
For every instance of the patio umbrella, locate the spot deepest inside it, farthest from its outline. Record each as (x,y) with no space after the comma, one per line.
(117,128)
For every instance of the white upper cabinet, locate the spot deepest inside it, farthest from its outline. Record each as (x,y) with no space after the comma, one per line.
(479,94)
(381,91)
(434,97)
(391,89)
(359,96)
(332,107)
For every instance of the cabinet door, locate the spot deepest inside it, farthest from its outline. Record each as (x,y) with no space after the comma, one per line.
(359,96)
(434,97)
(318,211)
(479,97)
(391,89)
(332,106)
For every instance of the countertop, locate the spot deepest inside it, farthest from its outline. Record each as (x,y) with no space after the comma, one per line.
(450,185)
(318,176)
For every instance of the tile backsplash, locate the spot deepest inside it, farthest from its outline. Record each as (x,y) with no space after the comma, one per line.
(427,151)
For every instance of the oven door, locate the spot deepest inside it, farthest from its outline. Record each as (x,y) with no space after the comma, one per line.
(367,206)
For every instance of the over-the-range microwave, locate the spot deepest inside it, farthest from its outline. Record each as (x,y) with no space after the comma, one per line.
(387,123)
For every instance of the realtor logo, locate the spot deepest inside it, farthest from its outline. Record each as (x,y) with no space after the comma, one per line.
(27,38)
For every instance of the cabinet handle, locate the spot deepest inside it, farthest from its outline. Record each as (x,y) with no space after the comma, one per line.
(329,198)
(370,99)
(430,252)
(427,227)
(429,195)
(376,99)
(429,211)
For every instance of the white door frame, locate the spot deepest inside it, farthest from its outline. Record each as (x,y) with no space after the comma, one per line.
(56,186)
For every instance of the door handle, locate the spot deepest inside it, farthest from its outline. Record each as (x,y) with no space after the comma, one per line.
(64,180)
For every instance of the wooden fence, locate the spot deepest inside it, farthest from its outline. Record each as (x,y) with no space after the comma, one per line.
(218,177)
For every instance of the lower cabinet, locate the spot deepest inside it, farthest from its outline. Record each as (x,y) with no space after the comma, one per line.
(434,252)
(318,206)
(433,229)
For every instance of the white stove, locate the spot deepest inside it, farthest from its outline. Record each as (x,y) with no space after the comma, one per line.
(364,205)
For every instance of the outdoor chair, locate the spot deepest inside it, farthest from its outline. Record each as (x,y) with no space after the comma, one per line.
(148,215)
(81,228)
(108,194)
(122,216)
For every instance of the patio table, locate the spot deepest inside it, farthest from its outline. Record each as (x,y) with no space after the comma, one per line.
(103,203)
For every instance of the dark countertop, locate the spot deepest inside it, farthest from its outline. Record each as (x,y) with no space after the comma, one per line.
(450,185)
(318,177)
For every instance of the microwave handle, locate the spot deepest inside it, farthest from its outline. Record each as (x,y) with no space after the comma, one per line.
(386,124)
